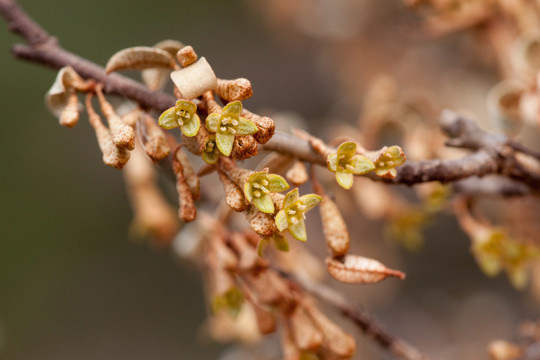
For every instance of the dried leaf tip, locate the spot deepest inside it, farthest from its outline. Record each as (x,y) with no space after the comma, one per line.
(140,57)
(356,269)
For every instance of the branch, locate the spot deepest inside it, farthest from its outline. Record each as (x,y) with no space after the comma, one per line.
(493,154)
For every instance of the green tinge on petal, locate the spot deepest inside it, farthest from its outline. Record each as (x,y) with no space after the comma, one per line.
(290,198)
(225,143)
(332,162)
(186,105)
(281,220)
(245,127)
(310,201)
(232,109)
(212,122)
(209,157)
(169,119)
(298,231)
(348,149)
(248,191)
(345,180)
(264,204)
(261,245)
(191,127)
(362,165)
(277,183)
(281,243)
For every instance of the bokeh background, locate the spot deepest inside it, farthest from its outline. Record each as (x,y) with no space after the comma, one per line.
(74,285)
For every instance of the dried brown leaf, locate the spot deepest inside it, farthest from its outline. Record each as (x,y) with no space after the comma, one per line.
(140,57)
(356,269)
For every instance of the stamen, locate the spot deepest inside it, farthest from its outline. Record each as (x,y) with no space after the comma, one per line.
(233,131)
(291,212)
(265,190)
(225,121)
(209,149)
(257,193)
(264,182)
(381,163)
(301,207)
(223,128)
(390,163)
(180,122)
(256,185)
(234,122)
(294,220)
(349,167)
(210,144)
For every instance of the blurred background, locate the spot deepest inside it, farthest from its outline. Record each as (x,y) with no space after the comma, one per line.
(72,282)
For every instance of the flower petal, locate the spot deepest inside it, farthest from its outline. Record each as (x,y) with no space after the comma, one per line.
(209,157)
(192,126)
(348,149)
(345,180)
(246,127)
(264,203)
(281,220)
(332,162)
(309,201)
(298,231)
(276,183)
(362,165)
(232,109)
(212,122)
(169,119)
(290,198)
(225,143)
(186,105)
(261,245)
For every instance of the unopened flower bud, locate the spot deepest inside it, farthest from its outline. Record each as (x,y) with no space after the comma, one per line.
(232,90)
(123,134)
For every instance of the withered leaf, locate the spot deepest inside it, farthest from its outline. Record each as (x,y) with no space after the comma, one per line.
(356,269)
(140,57)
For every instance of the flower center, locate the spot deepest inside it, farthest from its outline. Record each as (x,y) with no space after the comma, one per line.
(184,116)
(260,188)
(228,125)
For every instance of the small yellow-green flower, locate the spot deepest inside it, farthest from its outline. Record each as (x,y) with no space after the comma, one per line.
(390,159)
(346,163)
(229,124)
(294,210)
(258,187)
(182,115)
(210,154)
(231,301)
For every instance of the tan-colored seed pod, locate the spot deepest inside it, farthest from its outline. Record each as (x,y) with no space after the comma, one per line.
(244,147)
(187,211)
(123,134)
(189,173)
(262,223)
(336,341)
(266,126)
(113,156)
(305,334)
(356,269)
(186,56)
(140,57)
(234,196)
(70,115)
(334,227)
(156,144)
(268,288)
(232,90)
(297,174)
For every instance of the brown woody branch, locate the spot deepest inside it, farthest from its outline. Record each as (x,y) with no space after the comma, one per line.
(493,154)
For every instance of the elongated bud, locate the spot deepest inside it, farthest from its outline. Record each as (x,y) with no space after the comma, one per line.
(187,211)
(335,340)
(156,145)
(244,147)
(297,174)
(123,134)
(356,269)
(232,90)
(186,56)
(262,223)
(266,126)
(70,114)
(140,57)
(334,227)
(189,173)
(234,196)
(305,334)
(112,155)
(211,104)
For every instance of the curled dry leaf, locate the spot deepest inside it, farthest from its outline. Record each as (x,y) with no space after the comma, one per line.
(356,269)
(297,174)
(58,96)
(194,80)
(140,57)
(234,196)
(186,56)
(70,114)
(156,78)
(232,90)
